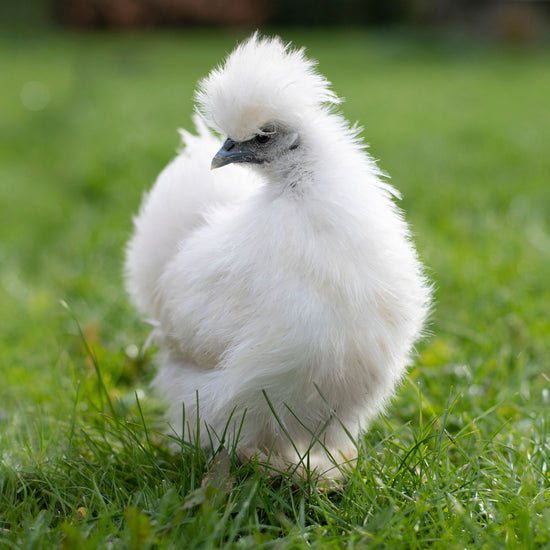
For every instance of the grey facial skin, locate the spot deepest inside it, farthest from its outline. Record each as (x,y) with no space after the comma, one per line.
(265,147)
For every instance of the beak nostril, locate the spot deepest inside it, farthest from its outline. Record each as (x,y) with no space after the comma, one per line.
(228,144)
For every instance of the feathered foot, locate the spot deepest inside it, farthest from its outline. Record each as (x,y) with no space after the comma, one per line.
(324,473)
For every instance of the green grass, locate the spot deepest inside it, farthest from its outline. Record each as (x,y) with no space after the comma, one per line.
(461,460)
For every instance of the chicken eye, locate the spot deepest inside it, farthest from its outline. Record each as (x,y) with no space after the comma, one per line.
(262,138)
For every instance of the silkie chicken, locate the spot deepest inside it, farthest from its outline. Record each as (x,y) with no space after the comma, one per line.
(285,291)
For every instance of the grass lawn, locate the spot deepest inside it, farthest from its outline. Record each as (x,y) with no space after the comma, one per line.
(461,460)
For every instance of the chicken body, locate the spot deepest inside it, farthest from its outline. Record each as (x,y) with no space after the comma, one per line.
(287,293)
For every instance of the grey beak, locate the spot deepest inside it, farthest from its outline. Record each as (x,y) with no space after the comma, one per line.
(232,152)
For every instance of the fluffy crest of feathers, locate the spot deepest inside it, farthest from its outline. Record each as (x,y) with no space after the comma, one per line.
(262,80)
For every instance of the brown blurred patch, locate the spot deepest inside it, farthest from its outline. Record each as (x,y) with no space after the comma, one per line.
(157,13)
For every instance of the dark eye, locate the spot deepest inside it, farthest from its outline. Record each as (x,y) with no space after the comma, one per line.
(262,138)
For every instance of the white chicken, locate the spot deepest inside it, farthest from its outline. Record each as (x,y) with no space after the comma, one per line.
(286,293)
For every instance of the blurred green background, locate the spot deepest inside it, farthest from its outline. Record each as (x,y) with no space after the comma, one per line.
(89,116)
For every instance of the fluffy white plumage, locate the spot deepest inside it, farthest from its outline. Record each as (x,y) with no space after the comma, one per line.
(286,282)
